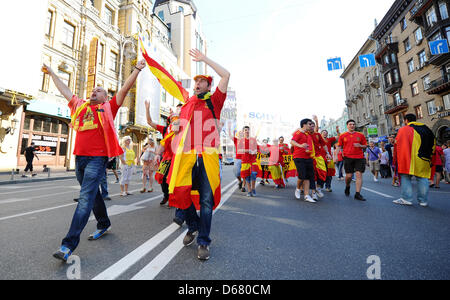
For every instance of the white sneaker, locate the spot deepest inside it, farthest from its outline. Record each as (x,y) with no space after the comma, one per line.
(319,193)
(402,201)
(423,204)
(314,196)
(375,179)
(309,199)
(297,194)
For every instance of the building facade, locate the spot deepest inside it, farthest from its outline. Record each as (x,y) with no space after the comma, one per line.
(364,93)
(415,80)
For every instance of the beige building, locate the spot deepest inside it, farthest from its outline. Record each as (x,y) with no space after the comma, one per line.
(364,98)
(415,81)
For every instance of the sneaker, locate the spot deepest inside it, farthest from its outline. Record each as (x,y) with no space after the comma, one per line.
(203,252)
(150,190)
(262,182)
(178,221)
(123,194)
(117,181)
(63,253)
(375,179)
(254,193)
(314,197)
(402,201)
(129,194)
(164,201)
(359,197)
(423,204)
(24,176)
(240,185)
(347,191)
(319,193)
(243,190)
(309,199)
(107,199)
(76,199)
(189,238)
(33,175)
(250,194)
(98,234)
(267,181)
(143,191)
(297,194)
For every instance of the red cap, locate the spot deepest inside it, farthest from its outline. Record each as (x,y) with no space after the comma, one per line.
(207,77)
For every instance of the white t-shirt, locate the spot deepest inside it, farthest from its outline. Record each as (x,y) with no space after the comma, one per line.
(384,158)
(447,159)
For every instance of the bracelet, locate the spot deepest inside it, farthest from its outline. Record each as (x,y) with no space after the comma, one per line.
(137,68)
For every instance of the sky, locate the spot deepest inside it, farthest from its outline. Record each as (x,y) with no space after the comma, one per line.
(277,50)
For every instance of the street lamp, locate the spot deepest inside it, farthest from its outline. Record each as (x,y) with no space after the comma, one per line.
(12,129)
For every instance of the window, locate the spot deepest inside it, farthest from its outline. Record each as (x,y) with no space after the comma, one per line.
(422,58)
(68,34)
(380,108)
(415,89)
(101,54)
(437,36)
(396,75)
(403,24)
(418,34)
(180,9)
(431,16)
(138,28)
(398,119)
(108,16)
(426,82)
(407,45)
(431,105)
(113,61)
(410,66)
(161,15)
(418,110)
(446,100)
(386,59)
(65,77)
(397,99)
(48,25)
(388,79)
(393,58)
(447,30)
(443,10)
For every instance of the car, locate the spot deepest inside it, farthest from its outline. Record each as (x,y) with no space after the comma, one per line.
(228,161)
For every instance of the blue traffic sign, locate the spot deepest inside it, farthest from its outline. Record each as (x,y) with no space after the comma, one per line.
(439,47)
(334,64)
(368,60)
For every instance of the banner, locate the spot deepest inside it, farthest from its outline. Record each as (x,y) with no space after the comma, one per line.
(289,169)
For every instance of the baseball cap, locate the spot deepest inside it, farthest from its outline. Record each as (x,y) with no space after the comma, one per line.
(207,77)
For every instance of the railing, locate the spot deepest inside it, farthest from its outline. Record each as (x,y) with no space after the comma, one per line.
(399,103)
(438,82)
(418,6)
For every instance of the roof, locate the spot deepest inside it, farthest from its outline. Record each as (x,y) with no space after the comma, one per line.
(161,2)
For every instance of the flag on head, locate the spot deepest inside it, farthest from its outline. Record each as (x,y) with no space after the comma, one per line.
(166,80)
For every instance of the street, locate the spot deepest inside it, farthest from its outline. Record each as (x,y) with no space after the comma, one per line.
(269,237)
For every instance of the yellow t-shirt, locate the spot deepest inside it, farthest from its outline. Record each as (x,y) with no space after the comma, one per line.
(130,156)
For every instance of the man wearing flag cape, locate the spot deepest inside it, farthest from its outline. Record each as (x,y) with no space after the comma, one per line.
(194,175)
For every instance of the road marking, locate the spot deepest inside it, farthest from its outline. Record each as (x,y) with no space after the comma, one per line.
(32,190)
(36,211)
(150,271)
(378,193)
(116,270)
(32,198)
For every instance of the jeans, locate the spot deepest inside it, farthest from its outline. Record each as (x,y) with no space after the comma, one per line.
(422,188)
(104,186)
(340,165)
(328,182)
(201,224)
(89,171)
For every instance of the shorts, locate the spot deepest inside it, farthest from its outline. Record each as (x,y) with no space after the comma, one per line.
(127,173)
(374,166)
(252,177)
(352,165)
(29,166)
(439,169)
(237,168)
(112,164)
(305,168)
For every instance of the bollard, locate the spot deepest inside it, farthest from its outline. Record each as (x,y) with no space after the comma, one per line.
(12,174)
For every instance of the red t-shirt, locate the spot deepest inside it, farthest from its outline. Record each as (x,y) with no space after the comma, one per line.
(284,148)
(90,139)
(347,141)
(168,154)
(302,138)
(251,147)
(439,153)
(203,127)
(319,144)
(238,147)
(329,143)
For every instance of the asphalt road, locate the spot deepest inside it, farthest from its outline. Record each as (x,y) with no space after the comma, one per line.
(269,237)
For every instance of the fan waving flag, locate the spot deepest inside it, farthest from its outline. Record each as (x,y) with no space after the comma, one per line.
(166,80)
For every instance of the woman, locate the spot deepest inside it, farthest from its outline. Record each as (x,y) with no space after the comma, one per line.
(128,160)
(149,167)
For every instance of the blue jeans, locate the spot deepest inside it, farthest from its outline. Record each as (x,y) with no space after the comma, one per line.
(104,186)
(340,165)
(89,171)
(422,188)
(201,224)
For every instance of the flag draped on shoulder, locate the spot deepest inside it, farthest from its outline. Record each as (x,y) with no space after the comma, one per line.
(166,80)
(320,165)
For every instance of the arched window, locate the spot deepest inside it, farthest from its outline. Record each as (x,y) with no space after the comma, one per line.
(138,27)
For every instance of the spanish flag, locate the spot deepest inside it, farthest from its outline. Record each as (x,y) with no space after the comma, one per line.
(320,166)
(166,80)
(415,146)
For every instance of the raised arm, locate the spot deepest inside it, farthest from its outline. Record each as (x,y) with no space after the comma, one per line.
(60,85)
(149,118)
(221,71)
(316,120)
(122,93)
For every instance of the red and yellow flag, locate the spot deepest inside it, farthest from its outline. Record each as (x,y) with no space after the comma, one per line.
(166,80)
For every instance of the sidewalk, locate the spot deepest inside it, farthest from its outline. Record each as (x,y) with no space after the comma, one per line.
(7,178)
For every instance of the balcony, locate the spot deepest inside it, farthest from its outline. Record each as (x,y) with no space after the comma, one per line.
(396,107)
(375,82)
(439,86)
(394,87)
(387,67)
(388,45)
(418,10)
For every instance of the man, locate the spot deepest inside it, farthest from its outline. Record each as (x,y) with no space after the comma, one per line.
(264,152)
(447,161)
(285,150)
(30,154)
(195,165)
(238,160)
(436,171)
(249,167)
(331,168)
(415,148)
(320,156)
(353,143)
(96,141)
(303,150)
(373,160)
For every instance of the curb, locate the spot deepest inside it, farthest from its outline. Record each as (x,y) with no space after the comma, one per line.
(6,182)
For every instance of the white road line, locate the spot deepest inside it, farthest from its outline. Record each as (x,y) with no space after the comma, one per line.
(378,193)
(116,270)
(32,198)
(162,260)
(24,190)
(36,211)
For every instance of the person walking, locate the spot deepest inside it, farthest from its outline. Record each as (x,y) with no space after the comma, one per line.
(353,143)
(447,162)
(373,160)
(384,163)
(339,158)
(195,164)
(96,141)
(128,160)
(275,164)
(30,154)
(149,166)
(239,147)
(264,154)
(112,165)
(249,167)
(438,168)
(415,146)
